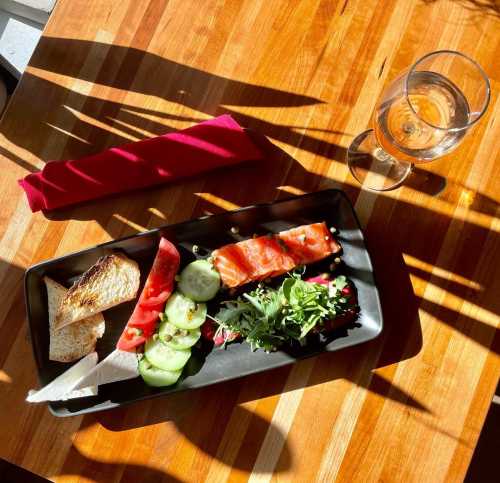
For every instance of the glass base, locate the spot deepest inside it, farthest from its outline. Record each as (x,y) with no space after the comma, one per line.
(372,166)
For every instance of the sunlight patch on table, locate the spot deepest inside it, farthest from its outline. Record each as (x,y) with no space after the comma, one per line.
(140,131)
(99,124)
(442,297)
(218,201)
(157,212)
(281,422)
(14,234)
(291,189)
(9,149)
(162,116)
(4,377)
(440,272)
(67,133)
(129,223)
(227,452)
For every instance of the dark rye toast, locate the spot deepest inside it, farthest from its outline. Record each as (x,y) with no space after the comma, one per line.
(114,279)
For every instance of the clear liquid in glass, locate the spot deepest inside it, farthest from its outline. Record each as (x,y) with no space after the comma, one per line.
(440,106)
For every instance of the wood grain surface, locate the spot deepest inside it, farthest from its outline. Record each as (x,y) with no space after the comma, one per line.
(408,406)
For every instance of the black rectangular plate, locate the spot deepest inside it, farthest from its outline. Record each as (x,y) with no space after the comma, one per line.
(207,367)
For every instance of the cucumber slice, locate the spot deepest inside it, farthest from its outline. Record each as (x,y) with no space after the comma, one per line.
(176,338)
(184,313)
(164,357)
(155,377)
(199,281)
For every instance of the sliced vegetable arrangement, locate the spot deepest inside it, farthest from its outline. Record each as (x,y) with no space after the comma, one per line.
(169,349)
(199,281)
(156,291)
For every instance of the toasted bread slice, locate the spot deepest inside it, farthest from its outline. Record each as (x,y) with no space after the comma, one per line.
(76,340)
(114,279)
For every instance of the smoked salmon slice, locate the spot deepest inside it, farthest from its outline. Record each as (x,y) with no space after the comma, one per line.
(232,265)
(309,243)
(266,256)
(272,255)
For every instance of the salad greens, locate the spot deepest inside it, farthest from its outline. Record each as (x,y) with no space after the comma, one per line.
(267,317)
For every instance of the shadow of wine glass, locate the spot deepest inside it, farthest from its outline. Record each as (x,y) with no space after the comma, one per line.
(425,181)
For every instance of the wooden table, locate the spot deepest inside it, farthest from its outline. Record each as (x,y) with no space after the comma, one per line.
(408,406)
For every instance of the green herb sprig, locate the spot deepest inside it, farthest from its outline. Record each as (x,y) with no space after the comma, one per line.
(268,317)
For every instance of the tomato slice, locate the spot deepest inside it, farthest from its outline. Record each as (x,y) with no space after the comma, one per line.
(152,302)
(143,318)
(157,289)
(128,341)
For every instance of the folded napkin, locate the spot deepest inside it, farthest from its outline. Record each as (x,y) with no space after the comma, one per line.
(211,144)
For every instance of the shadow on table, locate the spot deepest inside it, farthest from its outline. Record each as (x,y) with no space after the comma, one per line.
(205,432)
(248,184)
(79,465)
(484,7)
(129,69)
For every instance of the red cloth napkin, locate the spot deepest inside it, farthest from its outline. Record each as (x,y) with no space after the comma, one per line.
(211,144)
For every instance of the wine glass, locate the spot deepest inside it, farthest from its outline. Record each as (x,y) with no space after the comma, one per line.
(423,114)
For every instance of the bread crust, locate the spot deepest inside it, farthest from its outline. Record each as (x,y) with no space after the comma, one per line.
(114,279)
(75,340)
